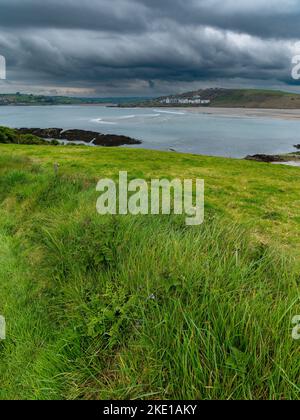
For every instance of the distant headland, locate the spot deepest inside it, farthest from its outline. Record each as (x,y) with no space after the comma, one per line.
(21,99)
(225,98)
(213,97)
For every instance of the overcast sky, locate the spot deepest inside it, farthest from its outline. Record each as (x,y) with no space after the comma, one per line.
(147,47)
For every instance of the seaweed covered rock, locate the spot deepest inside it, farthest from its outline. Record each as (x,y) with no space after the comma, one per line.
(98,139)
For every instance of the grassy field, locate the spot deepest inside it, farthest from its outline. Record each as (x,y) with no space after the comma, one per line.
(144,307)
(258,98)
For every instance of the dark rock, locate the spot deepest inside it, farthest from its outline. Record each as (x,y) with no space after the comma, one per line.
(98,139)
(266,158)
(44,133)
(78,135)
(111,140)
(297,146)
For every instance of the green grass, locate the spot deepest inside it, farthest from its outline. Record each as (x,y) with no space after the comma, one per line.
(11,136)
(257,98)
(145,307)
(33,100)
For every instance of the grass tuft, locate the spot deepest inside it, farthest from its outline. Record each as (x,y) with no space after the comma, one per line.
(137,307)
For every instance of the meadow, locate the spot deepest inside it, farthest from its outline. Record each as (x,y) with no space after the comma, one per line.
(144,307)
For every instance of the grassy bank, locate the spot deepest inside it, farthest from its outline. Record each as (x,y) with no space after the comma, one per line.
(144,307)
(11,136)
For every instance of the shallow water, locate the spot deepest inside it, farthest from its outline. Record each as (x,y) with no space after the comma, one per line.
(289,163)
(164,129)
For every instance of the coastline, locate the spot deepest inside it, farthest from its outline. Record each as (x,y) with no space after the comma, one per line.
(275,113)
(226,132)
(284,114)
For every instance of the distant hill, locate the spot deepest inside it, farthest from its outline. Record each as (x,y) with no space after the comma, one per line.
(218,97)
(233,98)
(24,99)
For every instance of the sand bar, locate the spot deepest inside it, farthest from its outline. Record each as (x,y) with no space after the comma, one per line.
(283,114)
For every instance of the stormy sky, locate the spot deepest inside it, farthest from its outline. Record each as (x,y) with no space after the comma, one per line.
(147,47)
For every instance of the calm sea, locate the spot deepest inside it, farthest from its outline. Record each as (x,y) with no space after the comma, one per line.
(161,129)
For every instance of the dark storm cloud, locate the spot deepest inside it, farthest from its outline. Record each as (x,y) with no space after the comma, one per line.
(73,14)
(272,18)
(142,46)
(266,18)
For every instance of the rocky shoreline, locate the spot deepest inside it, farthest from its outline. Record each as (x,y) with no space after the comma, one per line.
(88,137)
(291,158)
(54,136)
(266,158)
(287,158)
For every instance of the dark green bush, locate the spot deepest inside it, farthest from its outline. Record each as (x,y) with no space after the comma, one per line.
(11,136)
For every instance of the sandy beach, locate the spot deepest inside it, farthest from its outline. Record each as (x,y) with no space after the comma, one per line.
(283,114)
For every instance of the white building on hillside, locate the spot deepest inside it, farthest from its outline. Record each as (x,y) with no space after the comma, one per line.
(196,100)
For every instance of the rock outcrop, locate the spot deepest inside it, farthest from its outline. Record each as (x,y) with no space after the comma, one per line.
(266,158)
(98,139)
(44,133)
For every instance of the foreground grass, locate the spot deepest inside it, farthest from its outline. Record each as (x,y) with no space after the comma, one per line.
(144,307)
(260,196)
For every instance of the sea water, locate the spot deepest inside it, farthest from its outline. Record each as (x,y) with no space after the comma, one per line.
(180,130)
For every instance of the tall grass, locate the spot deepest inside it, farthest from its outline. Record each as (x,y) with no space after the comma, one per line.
(137,307)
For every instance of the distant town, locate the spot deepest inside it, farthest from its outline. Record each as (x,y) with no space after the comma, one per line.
(195,100)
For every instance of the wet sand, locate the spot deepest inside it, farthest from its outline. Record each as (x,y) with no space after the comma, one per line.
(283,114)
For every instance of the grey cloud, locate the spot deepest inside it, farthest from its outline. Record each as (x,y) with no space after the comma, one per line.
(145,45)
(272,18)
(124,15)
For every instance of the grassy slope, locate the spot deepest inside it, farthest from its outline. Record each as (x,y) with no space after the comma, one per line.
(75,287)
(255,98)
(239,98)
(23,99)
